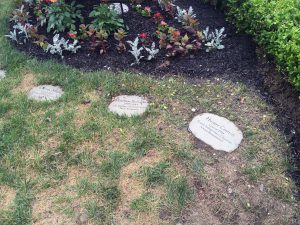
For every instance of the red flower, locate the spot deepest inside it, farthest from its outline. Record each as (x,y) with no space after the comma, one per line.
(143,35)
(157,15)
(71,35)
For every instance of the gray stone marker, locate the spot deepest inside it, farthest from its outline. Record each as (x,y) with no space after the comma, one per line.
(45,93)
(117,8)
(2,74)
(216,131)
(128,105)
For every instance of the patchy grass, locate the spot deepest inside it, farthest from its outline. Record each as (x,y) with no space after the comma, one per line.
(71,160)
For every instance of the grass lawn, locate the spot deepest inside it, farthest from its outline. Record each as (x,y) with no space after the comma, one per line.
(73,162)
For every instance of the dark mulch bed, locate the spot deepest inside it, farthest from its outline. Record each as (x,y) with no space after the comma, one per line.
(240,61)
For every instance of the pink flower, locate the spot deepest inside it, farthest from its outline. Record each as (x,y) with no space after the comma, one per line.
(163,23)
(147,9)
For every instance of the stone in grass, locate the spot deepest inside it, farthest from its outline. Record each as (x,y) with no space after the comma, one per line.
(45,93)
(216,131)
(117,8)
(2,74)
(128,105)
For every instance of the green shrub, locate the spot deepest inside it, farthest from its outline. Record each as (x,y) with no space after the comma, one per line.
(62,16)
(105,19)
(275,25)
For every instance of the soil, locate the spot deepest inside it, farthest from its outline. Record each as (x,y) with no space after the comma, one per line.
(241,61)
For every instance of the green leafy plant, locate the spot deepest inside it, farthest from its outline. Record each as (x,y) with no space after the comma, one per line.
(119,36)
(275,26)
(62,16)
(105,19)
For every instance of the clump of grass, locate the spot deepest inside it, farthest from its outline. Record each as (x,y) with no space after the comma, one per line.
(4,108)
(154,175)
(98,213)
(178,192)
(142,203)
(21,210)
(112,166)
(282,192)
(256,171)
(250,152)
(146,138)
(111,194)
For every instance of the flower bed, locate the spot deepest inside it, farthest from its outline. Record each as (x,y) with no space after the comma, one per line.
(61,28)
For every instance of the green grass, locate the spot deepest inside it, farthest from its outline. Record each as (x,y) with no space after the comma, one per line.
(143,203)
(83,153)
(154,175)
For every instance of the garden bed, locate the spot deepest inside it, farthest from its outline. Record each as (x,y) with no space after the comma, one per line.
(235,61)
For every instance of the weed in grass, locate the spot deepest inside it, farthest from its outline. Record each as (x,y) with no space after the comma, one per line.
(146,138)
(4,108)
(182,152)
(82,158)
(250,152)
(84,186)
(142,203)
(111,194)
(256,171)
(249,133)
(8,177)
(197,167)
(21,210)
(97,213)
(112,166)
(178,193)
(154,175)
(51,164)
(282,192)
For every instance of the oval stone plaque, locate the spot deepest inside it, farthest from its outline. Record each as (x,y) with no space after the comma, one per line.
(2,74)
(128,105)
(45,93)
(216,131)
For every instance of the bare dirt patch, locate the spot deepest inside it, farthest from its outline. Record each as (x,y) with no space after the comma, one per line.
(48,208)
(118,139)
(26,84)
(132,188)
(227,197)
(7,196)
(81,115)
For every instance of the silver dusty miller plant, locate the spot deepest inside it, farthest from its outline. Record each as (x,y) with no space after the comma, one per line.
(214,39)
(152,51)
(13,35)
(61,44)
(19,33)
(135,50)
(182,14)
